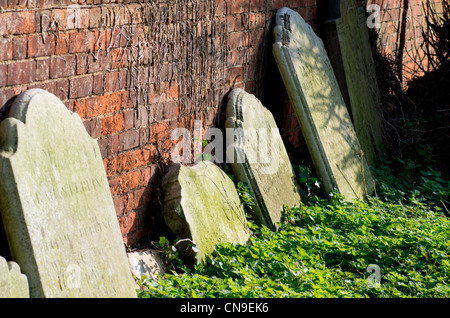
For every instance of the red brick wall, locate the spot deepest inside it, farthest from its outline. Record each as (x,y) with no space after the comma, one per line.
(135,70)
(400,35)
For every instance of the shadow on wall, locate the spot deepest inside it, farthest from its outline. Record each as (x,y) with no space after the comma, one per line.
(4,247)
(275,98)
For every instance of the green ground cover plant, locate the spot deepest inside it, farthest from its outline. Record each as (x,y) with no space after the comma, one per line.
(327,247)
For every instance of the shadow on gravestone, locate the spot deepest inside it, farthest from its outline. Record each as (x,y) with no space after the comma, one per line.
(56,204)
(320,108)
(258,157)
(202,207)
(349,50)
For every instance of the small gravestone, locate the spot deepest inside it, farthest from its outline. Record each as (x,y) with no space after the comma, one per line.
(202,208)
(259,158)
(13,284)
(56,204)
(146,263)
(320,107)
(347,41)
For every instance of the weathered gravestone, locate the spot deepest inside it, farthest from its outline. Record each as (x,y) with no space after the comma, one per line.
(320,108)
(56,203)
(146,263)
(202,205)
(13,284)
(347,41)
(258,157)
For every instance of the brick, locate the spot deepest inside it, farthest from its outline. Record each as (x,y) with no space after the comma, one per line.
(235,39)
(128,201)
(128,161)
(42,69)
(20,22)
(98,84)
(159,131)
(80,42)
(3,75)
(112,124)
(41,46)
(130,181)
(128,119)
(144,136)
(6,49)
(21,72)
(62,89)
(80,87)
(128,223)
(62,44)
(172,92)
(257,5)
(81,64)
(94,127)
(235,74)
(6,96)
(142,117)
(62,66)
(19,48)
(3,24)
(129,139)
(109,103)
(110,81)
(119,205)
(171,109)
(79,107)
(101,62)
(114,185)
(48,86)
(143,196)
(95,17)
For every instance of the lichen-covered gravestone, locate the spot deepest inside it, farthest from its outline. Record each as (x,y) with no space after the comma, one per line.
(320,108)
(347,41)
(56,204)
(259,158)
(202,206)
(13,284)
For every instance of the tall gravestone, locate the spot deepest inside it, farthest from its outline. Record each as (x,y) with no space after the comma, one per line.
(348,45)
(259,158)
(202,206)
(56,204)
(320,108)
(13,284)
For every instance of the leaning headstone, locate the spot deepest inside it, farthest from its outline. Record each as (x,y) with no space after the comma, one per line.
(320,108)
(13,284)
(347,41)
(56,204)
(259,158)
(203,209)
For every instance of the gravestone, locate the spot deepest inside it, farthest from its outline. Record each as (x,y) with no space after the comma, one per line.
(56,204)
(348,45)
(202,207)
(13,284)
(320,107)
(259,158)
(146,263)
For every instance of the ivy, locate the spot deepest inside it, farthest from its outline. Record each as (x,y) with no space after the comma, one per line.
(324,249)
